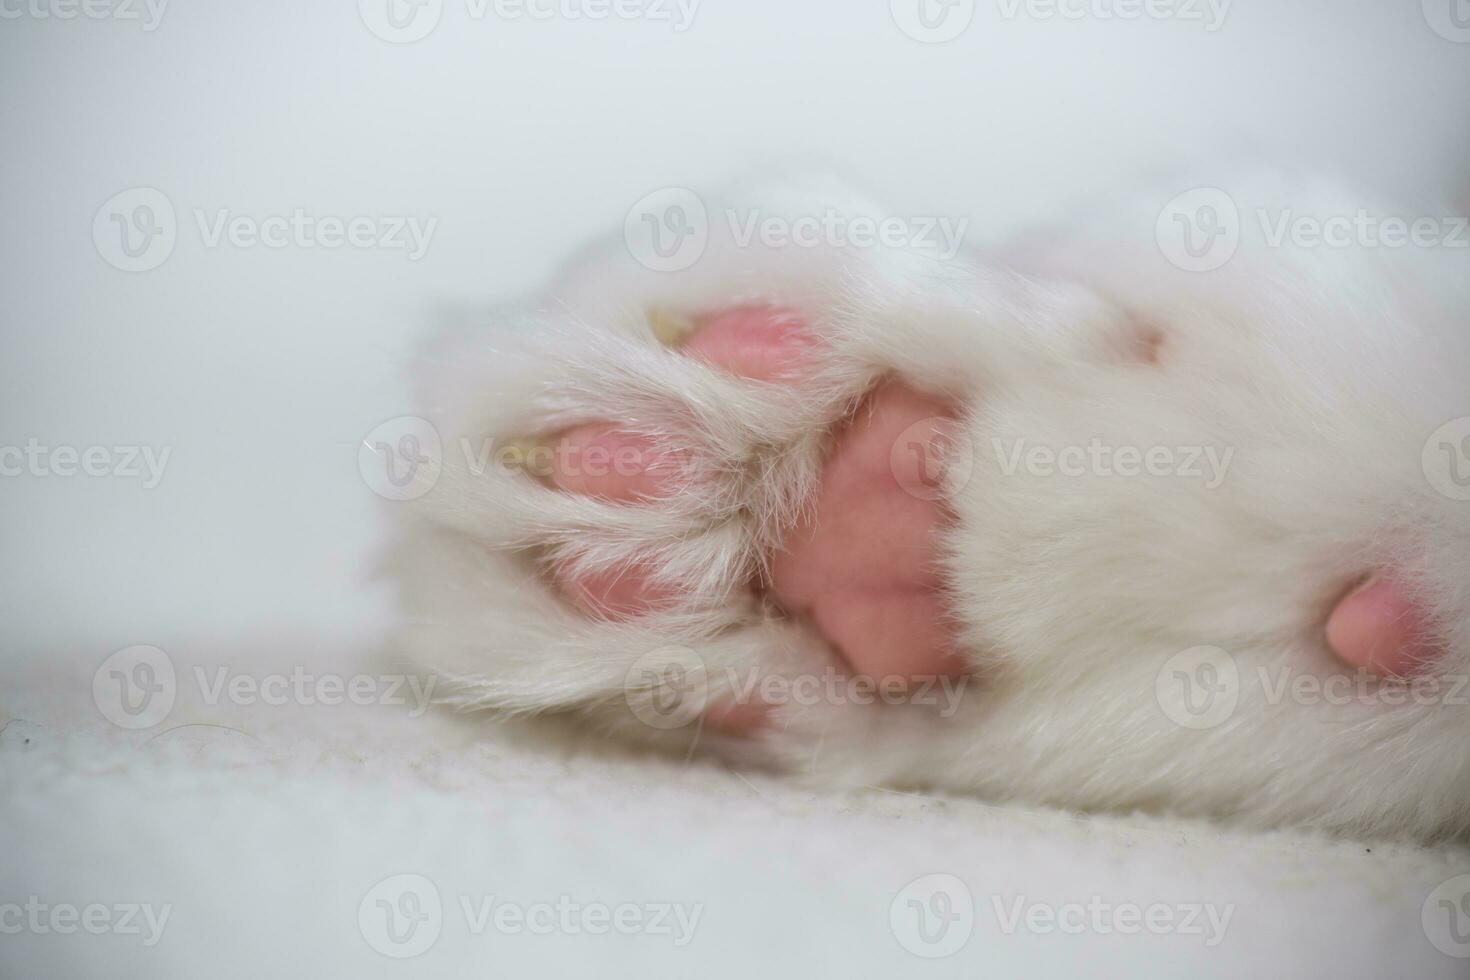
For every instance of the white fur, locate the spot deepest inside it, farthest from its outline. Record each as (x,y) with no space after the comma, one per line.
(1322,370)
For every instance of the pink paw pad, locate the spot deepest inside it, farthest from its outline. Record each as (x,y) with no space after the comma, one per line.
(761,343)
(1379,628)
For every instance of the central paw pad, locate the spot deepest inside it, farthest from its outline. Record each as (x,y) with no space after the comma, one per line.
(860,562)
